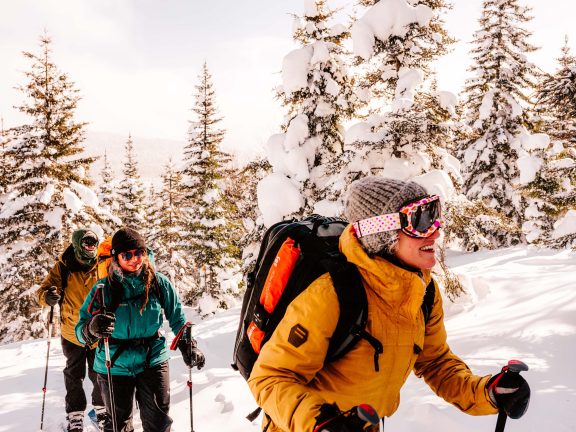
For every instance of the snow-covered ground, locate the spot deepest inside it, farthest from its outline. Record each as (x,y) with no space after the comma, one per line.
(521,303)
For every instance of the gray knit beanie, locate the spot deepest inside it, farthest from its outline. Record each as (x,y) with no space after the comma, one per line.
(374,196)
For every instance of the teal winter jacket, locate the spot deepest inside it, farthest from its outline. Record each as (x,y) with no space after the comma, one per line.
(131,326)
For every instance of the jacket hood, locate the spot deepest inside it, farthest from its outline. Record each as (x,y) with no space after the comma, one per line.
(388,280)
(68,258)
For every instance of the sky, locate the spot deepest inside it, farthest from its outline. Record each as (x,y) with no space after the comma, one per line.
(520,304)
(136,62)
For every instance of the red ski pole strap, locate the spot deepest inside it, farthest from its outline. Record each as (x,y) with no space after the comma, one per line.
(178,336)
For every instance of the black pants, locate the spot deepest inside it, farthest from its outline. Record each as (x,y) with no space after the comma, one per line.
(77,358)
(152,388)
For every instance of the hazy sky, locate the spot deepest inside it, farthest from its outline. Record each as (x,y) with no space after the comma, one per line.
(136,62)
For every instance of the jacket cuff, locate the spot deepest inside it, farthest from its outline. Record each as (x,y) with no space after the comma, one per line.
(89,338)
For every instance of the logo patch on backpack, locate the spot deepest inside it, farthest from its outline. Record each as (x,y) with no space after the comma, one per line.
(298,335)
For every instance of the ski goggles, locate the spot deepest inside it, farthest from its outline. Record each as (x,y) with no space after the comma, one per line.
(89,242)
(418,219)
(128,255)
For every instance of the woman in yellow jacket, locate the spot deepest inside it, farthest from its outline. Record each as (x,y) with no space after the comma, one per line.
(391,239)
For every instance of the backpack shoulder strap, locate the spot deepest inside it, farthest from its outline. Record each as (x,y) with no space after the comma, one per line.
(64,275)
(353,302)
(158,290)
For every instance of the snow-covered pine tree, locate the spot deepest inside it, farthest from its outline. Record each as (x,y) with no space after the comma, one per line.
(169,230)
(317,93)
(130,192)
(241,188)
(406,134)
(153,204)
(393,36)
(549,170)
(493,98)
(556,96)
(107,196)
(48,196)
(210,217)
(4,163)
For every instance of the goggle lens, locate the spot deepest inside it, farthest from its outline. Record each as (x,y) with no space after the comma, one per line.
(89,242)
(425,215)
(127,256)
(421,218)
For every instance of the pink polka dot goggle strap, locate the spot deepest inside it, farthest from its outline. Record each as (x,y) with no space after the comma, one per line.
(418,219)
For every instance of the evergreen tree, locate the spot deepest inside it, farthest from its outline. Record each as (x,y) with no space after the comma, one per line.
(415,44)
(551,188)
(107,197)
(241,187)
(170,240)
(48,193)
(4,162)
(408,127)
(318,95)
(210,217)
(494,96)
(106,193)
(130,192)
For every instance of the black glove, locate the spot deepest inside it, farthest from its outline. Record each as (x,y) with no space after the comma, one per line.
(192,356)
(331,419)
(101,325)
(510,393)
(51,296)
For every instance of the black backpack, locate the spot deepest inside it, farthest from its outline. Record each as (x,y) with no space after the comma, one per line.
(317,238)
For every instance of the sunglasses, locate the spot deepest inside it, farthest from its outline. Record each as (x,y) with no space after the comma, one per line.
(419,219)
(128,255)
(89,242)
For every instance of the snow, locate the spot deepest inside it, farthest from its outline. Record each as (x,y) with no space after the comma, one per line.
(297,132)
(277,197)
(565,225)
(448,101)
(520,303)
(295,69)
(386,18)
(529,167)
(86,194)
(486,105)
(72,201)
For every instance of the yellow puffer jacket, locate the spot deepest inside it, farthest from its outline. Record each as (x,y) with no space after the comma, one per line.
(80,281)
(290,383)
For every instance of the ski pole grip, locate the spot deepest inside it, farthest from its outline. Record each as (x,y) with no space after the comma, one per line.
(517,366)
(368,414)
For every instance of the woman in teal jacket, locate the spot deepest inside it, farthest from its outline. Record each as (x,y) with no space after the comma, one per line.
(126,307)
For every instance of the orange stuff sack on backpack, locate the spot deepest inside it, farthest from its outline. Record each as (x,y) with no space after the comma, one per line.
(103,257)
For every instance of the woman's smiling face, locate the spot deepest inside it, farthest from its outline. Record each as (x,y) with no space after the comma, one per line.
(131,261)
(417,252)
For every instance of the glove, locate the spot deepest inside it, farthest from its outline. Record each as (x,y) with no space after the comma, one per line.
(331,419)
(510,392)
(51,296)
(102,325)
(192,356)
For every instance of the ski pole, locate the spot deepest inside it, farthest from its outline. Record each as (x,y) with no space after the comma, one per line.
(514,366)
(189,336)
(108,367)
(50,322)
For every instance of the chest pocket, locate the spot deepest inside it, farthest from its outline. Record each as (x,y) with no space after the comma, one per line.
(131,323)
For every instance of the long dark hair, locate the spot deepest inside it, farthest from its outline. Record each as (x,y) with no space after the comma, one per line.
(116,275)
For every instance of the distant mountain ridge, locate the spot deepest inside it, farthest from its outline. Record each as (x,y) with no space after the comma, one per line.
(152,154)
